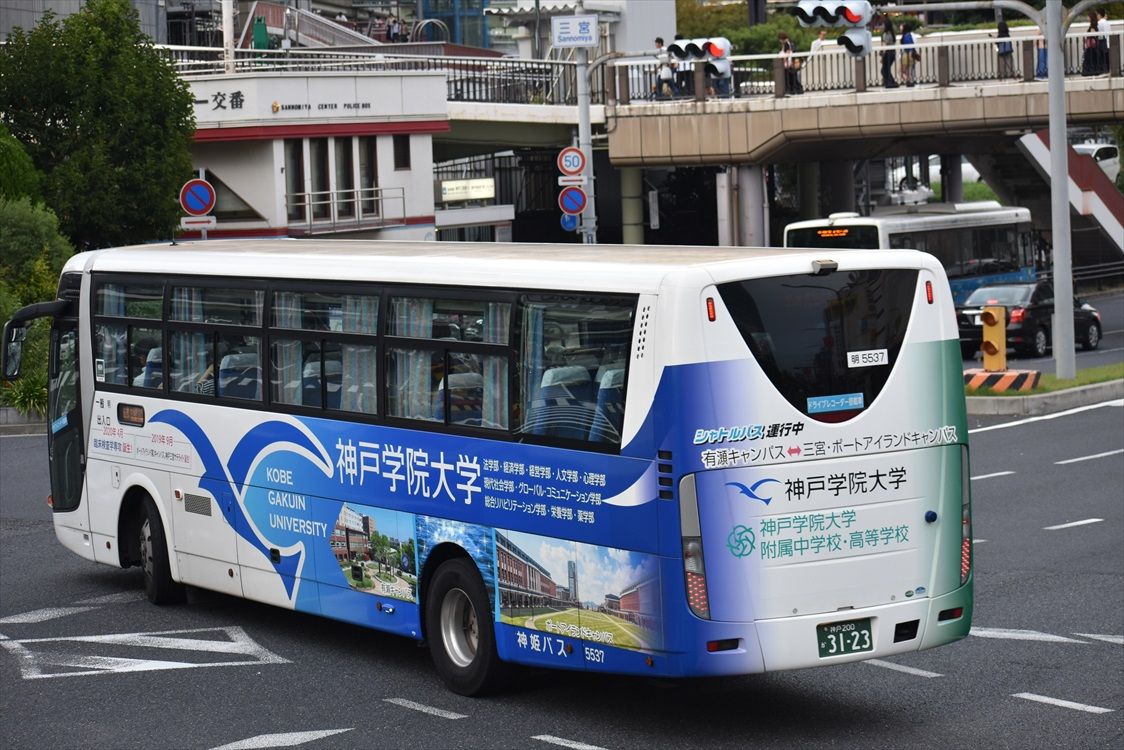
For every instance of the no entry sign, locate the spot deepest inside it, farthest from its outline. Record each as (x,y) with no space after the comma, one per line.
(197,197)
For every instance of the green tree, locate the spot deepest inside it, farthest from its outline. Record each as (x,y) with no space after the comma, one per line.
(32,251)
(106,120)
(18,176)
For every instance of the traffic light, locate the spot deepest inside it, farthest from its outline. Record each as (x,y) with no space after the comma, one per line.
(713,52)
(854,14)
(993,318)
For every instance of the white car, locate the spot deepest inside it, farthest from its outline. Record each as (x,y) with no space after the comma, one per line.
(900,181)
(1106,155)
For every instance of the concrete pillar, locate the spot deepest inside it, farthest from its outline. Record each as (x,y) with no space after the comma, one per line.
(753,212)
(724,183)
(632,205)
(838,178)
(808,178)
(952,179)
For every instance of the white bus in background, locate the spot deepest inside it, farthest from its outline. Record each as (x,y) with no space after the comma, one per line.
(978,243)
(619,459)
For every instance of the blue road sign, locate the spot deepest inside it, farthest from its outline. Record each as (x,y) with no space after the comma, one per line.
(197,197)
(569,222)
(572,200)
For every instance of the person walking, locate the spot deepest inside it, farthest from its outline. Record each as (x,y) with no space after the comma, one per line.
(1090,63)
(1042,70)
(910,55)
(1102,40)
(665,72)
(791,66)
(889,54)
(1005,51)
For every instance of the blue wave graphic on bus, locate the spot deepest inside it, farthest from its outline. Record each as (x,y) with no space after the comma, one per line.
(230,480)
(751,492)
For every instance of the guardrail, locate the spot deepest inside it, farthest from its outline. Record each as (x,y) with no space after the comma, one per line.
(509,80)
(1098,272)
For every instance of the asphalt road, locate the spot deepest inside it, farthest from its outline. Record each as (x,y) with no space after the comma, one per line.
(1111,350)
(1049,623)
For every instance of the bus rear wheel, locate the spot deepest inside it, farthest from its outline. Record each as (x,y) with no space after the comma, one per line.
(460,630)
(153,548)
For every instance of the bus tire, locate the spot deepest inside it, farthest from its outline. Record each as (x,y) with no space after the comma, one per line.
(153,549)
(460,630)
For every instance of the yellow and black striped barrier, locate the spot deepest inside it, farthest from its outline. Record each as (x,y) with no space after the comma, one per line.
(999,382)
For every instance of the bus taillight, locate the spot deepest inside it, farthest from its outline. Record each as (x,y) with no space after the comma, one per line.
(695,571)
(929,292)
(965,517)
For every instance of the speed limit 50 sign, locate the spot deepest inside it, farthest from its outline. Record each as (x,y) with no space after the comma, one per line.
(571,161)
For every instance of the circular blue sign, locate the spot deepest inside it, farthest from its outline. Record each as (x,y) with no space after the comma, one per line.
(569,222)
(572,200)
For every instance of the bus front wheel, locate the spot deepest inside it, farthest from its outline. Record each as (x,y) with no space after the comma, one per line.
(460,630)
(153,548)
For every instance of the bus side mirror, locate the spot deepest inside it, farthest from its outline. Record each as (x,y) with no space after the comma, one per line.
(14,336)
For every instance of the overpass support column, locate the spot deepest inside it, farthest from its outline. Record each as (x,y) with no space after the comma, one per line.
(952,179)
(725,186)
(632,206)
(838,178)
(753,220)
(808,179)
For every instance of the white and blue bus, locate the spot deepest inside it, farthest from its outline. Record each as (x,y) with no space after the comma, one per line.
(979,243)
(626,459)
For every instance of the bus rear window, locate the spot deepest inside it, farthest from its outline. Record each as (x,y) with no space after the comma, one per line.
(828,343)
(834,237)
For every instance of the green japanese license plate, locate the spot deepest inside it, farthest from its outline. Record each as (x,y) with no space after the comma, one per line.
(847,637)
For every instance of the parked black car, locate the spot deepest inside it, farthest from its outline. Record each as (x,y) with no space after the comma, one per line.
(1030,306)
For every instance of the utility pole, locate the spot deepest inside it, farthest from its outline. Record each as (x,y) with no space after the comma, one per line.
(585,140)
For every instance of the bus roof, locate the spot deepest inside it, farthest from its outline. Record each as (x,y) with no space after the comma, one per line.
(614,268)
(926,216)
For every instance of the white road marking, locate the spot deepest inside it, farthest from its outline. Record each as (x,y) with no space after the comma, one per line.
(978,541)
(991,476)
(1071,524)
(901,668)
(1019,635)
(1090,458)
(1063,704)
(42,615)
(122,598)
(284,739)
(1028,420)
(424,708)
(565,743)
(38,661)
(1117,639)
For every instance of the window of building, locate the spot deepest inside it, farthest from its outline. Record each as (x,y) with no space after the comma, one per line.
(401,152)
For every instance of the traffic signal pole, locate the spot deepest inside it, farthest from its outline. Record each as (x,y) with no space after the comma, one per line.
(1055,22)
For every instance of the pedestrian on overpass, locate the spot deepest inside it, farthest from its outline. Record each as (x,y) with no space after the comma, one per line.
(910,55)
(889,54)
(791,66)
(1090,62)
(1006,52)
(1102,40)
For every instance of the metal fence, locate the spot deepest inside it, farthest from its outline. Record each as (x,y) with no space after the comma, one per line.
(323,211)
(520,81)
(942,63)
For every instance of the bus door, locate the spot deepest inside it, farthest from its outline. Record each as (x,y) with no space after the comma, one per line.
(64,414)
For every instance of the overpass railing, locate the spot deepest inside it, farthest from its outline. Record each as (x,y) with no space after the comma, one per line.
(508,80)
(328,211)
(832,69)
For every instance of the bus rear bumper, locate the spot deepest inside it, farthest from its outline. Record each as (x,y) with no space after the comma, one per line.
(792,642)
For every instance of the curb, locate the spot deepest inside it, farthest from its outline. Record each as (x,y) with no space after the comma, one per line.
(1045,403)
(14,423)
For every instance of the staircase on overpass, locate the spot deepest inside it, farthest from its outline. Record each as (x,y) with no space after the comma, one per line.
(1019,173)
